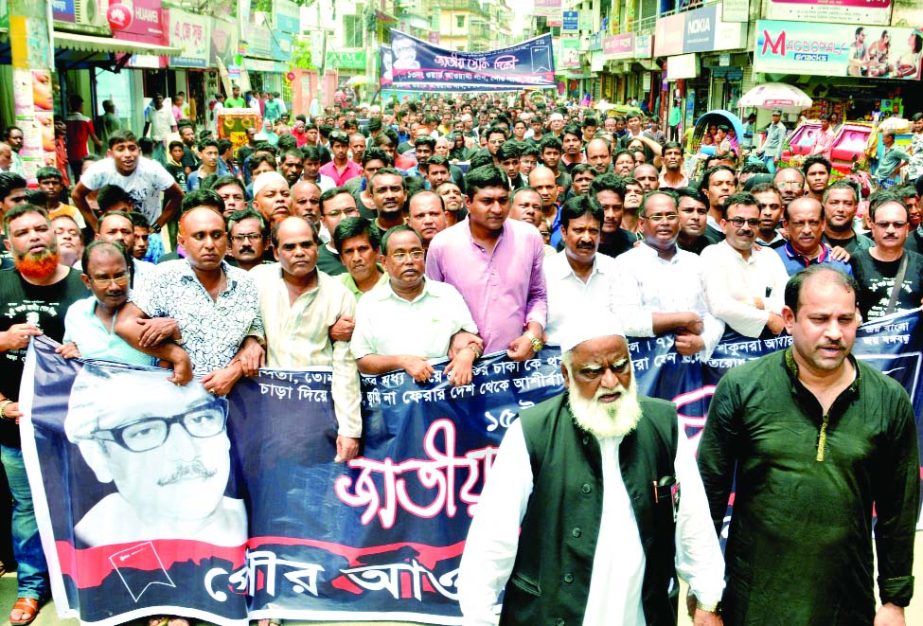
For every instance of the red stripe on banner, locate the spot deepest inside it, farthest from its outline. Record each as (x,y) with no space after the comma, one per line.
(88,567)
(427,555)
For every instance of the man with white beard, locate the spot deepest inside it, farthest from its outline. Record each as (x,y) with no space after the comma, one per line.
(581,520)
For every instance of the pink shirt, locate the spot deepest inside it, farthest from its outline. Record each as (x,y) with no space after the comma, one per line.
(823,142)
(352,170)
(505,290)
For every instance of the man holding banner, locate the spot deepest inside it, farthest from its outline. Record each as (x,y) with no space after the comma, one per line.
(815,441)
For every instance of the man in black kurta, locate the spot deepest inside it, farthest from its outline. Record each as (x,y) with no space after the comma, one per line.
(814,440)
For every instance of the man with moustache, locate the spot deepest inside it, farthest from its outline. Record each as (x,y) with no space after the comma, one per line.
(840,206)
(306,202)
(298,305)
(272,197)
(542,180)
(744,284)
(790,183)
(358,245)
(410,299)
(660,289)
(389,196)
(818,444)
(804,223)
(672,176)
(34,298)
(718,183)
(769,202)
(292,166)
(603,541)
(248,236)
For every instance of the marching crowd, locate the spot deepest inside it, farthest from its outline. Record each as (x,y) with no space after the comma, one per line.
(374,239)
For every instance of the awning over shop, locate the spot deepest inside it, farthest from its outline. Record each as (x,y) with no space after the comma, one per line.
(89,43)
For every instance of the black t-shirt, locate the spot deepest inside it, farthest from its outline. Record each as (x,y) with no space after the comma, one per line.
(44,306)
(876,280)
(696,247)
(623,241)
(189,159)
(851,245)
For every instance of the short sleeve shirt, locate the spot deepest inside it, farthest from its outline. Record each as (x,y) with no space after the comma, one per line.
(144,185)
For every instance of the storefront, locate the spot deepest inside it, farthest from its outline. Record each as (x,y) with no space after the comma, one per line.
(192,34)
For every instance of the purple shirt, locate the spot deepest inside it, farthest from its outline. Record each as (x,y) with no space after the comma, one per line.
(505,290)
(352,170)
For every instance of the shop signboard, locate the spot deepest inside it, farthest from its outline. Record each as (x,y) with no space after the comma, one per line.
(570,53)
(866,12)
(705,31)
(146,24)
(551,10)
(643,46)
(282,45)
(621,46)
(346,59)
(259,41)
(666,43)
(192,34)
(736,11)
(834,50)
(571,22)
(225,42)
(288,18)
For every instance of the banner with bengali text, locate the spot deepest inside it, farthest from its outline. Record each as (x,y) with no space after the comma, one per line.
(378,538)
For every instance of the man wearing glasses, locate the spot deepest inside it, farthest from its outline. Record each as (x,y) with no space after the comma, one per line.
(745,286)
(165,448)
(660,289)
(443,323)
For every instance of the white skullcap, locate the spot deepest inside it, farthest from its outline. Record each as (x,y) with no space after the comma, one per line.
(267,178)
(588,325)
(104,398)
(261,137)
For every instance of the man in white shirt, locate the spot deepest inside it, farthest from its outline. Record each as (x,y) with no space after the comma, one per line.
(160,122)
(660,289)
(298,305)
(596,544)
(577,278)
(745,286)
(435,311)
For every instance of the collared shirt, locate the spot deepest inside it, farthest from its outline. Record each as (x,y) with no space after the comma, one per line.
(339,177)
(823,142)
(212,329)
(890,161)
(618,560)
(504,289)
(794,261)
(351,286)
(648,284)
(94,340)
(569,296)
(775,136)
(733,284)
(298,336)
(434,317)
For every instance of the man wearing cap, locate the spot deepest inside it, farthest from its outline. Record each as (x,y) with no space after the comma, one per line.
(603,541)
(771,150)
(165,448)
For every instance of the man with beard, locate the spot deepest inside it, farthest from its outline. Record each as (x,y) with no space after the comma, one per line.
(298,306)
(336,205)
(718,183)
(840,206)
(603,541)
(358,245)
(389,196)
(272,197)
(660,289)
(34,299)
(818,444)
(426,215)
(790,183)
(744,284)
(577,278)
(292,166)
(769,202)
(672,176)
(816,170)
(804,223)
(572,143)
(409,299)
(248,236)
(496,264)
(693,216)
(609,192)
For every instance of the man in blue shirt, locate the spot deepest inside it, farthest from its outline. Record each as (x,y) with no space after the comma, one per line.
(804,222)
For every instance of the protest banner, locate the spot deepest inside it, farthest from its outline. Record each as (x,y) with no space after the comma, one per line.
(153,499)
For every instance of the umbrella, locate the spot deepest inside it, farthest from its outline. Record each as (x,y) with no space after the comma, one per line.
(895,124)
(775,96)
(355,81)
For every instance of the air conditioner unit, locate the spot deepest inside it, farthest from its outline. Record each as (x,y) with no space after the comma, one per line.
(90,16)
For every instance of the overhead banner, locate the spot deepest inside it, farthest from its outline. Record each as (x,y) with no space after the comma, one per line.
(837,50)
(419,65)
(154,499)
(868,12)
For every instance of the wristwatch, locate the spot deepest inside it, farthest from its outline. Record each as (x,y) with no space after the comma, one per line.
(537,344)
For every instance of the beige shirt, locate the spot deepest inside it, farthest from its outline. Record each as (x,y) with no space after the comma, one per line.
(297,336)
